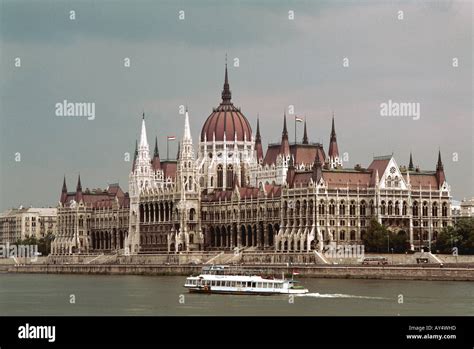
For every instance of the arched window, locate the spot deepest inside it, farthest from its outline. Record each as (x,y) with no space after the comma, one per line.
(415,208)
(444,209)
(321,207)
(342,235)
(425,209)
(352,208)
(342,208)
(404,209)
(362,208)
(332,207)
(397,208)
(353,235)
(220,176)
(230,176)
(390,208)
(382,208)
(192,212)
(190,183)
(435,209)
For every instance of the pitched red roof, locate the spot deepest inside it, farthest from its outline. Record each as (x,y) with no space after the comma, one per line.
(273,190)
(379,164)
(348,178)
(423,179)
(99,198)
(272,153)
(302,153)
(169,168)
(306,153)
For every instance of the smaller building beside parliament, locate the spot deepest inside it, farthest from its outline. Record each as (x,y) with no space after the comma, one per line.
(228,193)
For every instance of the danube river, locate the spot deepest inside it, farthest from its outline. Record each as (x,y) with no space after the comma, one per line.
(39,294)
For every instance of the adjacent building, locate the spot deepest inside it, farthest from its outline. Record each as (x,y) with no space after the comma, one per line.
(20,223)
(91,221)
(227,193)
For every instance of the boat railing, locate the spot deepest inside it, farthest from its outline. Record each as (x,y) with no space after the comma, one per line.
(235,270)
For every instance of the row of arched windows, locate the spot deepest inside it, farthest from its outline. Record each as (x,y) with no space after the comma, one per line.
(156,212)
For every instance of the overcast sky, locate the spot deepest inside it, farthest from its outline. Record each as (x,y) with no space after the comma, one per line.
(282,62)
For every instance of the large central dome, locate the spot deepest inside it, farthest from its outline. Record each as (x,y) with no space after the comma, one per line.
(226,120)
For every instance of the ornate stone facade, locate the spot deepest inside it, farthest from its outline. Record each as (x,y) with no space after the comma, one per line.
(93,221)
(294,198)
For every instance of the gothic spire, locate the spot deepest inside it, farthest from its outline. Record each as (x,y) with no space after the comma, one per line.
(143,138)
(156,163)
(187,129)
(257,135)
(439,165)
(440,176)
(410,165)
(64,190)
(156,153)
(333,148)
(258,142)
(333,129)
(305,135)
(285,145)
(79,185)
(226,94)
(79,189)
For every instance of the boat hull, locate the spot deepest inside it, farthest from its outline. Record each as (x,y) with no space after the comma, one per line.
(247,293)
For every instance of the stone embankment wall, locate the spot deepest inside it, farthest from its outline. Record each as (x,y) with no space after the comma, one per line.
(346,272)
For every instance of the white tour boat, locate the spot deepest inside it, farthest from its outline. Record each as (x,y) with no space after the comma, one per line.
(222,279)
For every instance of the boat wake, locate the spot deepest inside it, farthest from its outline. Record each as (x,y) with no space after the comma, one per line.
(335,295)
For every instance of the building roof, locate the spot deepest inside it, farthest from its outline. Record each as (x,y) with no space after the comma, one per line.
(169,168)
(226,120)
(303,154)
(423,179)
(100,198)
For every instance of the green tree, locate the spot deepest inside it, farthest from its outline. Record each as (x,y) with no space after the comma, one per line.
(376,238)
(461,236)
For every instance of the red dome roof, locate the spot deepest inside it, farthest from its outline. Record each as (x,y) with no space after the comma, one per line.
(226,119)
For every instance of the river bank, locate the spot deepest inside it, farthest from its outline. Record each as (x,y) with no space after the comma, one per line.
(431,273)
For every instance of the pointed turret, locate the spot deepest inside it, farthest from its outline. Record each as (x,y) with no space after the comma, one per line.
(156,157)
(143,160)
(410,165)
(64,191)
(187,129)
(333,153)
(305,134)
(440,176)
(258,143)
(226,94)
(79,189)
(285,145)
(143,138)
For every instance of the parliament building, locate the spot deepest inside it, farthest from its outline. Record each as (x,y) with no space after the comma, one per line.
(228,194)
